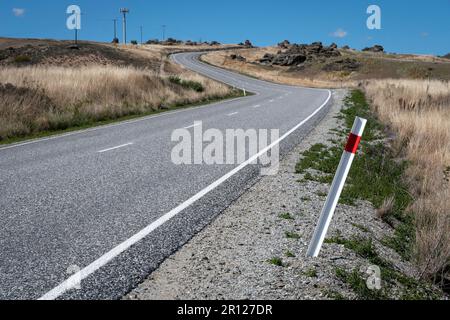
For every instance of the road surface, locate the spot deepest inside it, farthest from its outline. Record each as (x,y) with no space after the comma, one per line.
(89,214)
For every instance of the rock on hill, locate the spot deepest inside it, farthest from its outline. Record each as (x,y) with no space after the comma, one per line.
(296,54)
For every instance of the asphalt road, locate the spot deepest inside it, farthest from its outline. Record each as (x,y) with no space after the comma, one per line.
(105,206)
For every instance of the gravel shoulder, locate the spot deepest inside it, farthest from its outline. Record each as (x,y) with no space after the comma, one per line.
(236,256)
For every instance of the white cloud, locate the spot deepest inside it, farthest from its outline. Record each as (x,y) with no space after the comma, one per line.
(339,33)
(424,34)
(18,12)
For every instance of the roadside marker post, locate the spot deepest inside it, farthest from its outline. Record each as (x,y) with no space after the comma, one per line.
(336,188)
(245,92)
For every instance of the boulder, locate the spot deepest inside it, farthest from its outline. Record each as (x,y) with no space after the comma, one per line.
(376,48)
(346,64)
(297,54)
(238,57)
(248,43)
(289,59)
(285,44)
(153,41)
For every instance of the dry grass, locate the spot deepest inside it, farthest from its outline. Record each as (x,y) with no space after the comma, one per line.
(35,99)
(372,66)
(273,73)
(419,114)
(386,208)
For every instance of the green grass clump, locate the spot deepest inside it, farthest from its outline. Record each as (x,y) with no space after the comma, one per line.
(334,295)
(286,216)
(187,84)
(311,273)
(276,261)
(22,59)
(292,235)
(359,286)
(289,254)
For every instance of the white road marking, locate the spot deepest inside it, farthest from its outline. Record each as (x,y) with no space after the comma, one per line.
(232,114)
(271,100)
(257,106)
(192,126)
(73,280)
(120,123)
(114,148)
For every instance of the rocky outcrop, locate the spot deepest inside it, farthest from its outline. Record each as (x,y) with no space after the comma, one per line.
(153,41)
(285,44)
(288,59)
(238,57)
(346,64)
(296,54)
(376,48)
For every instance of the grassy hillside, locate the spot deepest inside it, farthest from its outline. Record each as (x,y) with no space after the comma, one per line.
(47,86)
(334,72)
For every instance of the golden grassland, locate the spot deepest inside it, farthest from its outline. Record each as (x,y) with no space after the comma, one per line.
(273,73)
(372,66)
(418,112)
(42,98)
(64,89)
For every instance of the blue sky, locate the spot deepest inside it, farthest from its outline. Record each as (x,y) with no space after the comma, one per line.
(407,26)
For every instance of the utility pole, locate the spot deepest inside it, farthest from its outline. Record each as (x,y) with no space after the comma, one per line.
(164,32)
(141,34)
(124,11)
(115,28)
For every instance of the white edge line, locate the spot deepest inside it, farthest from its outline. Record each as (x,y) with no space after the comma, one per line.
(120,123)
(114,148)
(232,114)
(73,280)
(192,126)
(257,106)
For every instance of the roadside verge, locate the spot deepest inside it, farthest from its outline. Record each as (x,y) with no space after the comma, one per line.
(256,248)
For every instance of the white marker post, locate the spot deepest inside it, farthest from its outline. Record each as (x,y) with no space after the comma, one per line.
(336,188)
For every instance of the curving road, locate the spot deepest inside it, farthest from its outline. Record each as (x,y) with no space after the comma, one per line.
(105,206)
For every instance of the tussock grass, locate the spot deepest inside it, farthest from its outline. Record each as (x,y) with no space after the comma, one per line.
(418,112)
(46,98)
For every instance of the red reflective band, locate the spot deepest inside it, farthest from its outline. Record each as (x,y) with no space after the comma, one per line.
(353,143)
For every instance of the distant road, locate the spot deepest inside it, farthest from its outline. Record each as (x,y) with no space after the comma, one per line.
(107,205)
